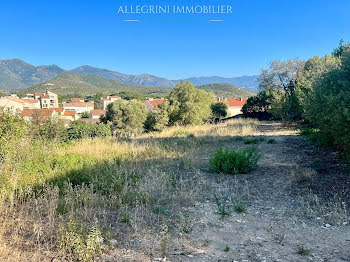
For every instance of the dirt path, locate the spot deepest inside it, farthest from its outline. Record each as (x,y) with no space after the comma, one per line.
(288,208)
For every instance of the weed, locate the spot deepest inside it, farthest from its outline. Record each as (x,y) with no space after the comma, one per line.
(75,239)
(221,206)
(186,225)
(240,207)
(303,251)
(126,216)
(250,141)
(271,141)
(227,248)
(164,240)
(234,162)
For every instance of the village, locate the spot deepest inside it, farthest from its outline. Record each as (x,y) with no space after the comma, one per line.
(45,106)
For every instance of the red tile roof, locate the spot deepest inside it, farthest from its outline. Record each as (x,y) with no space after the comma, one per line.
(98,112)
(58,109)
(239,102)
(40,112)
(76,100)
(69,113)
(28,100)
(13,99)
(156,102)
(90,120)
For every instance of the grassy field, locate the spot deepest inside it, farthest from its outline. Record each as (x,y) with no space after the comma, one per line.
(154,196)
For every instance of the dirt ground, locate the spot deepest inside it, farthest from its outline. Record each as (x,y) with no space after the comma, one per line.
(296,208)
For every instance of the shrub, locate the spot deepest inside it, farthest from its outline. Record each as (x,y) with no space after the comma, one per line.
(234,162)
(81,129)
(76,239)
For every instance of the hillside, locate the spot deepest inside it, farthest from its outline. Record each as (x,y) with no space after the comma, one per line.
(16,74)
(144,79)
(247,82)
(68,83)
(226,90)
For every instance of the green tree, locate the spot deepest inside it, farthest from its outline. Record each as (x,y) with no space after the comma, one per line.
(258,106)
(189,105)
(86,114)
(219,110)
(126,116)
(159,119)
(130,95)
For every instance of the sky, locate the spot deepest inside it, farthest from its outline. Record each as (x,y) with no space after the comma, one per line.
(91,32)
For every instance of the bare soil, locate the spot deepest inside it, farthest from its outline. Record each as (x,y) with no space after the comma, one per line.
(296,199)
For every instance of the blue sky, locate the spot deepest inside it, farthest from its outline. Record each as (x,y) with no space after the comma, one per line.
(74,33)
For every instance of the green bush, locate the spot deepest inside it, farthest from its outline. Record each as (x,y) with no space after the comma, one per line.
(234,162)
(81,129)
(79,241)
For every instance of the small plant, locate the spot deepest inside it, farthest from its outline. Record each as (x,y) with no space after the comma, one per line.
(303,251)
(271,141)
(221,205)
(234,162)
(186,225)
(76,239)
(181,132)
(126,216)
(261,139)
(164,240)
(227,248)
(238,138)
(240,207)
(250,141)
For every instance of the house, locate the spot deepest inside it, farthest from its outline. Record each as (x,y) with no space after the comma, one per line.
(105,101)
(47,99)
(78,107)
(69,115)
(151,103)
(95,114)
(39,114)
(235,105)
(16,105)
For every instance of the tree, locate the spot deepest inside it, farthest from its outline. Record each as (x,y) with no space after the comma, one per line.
(281,78)
(86,114)
(126,116)
(258,106)
(219,110)
(130,95)
(189,105)
(159,119)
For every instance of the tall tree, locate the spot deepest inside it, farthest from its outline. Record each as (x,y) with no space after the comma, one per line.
(189,105)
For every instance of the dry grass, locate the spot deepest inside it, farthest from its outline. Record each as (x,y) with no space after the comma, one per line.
(158,179)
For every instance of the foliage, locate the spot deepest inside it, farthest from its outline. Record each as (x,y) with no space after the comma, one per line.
(258,106)
(127,95)
(226,90)
(159,119)
(188,105)
(219,110)
(329,101)
(76,239)
(85,115)
(234,162)
(80,129)
(126,116)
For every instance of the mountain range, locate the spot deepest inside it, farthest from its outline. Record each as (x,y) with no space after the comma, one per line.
(75,85)
(16,75)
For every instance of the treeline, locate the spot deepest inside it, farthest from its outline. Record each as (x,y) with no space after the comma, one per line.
(186,105)
(316,91)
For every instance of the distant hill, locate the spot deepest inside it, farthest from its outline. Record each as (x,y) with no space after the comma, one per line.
(226,90)
(247,82)
(145,79)
(16,74)
(68,83)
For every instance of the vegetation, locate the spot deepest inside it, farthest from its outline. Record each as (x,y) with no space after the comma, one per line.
(127,117)
(188,105)
(68,83)
(234,162)
(226,90)
(219,110)
(258,106)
